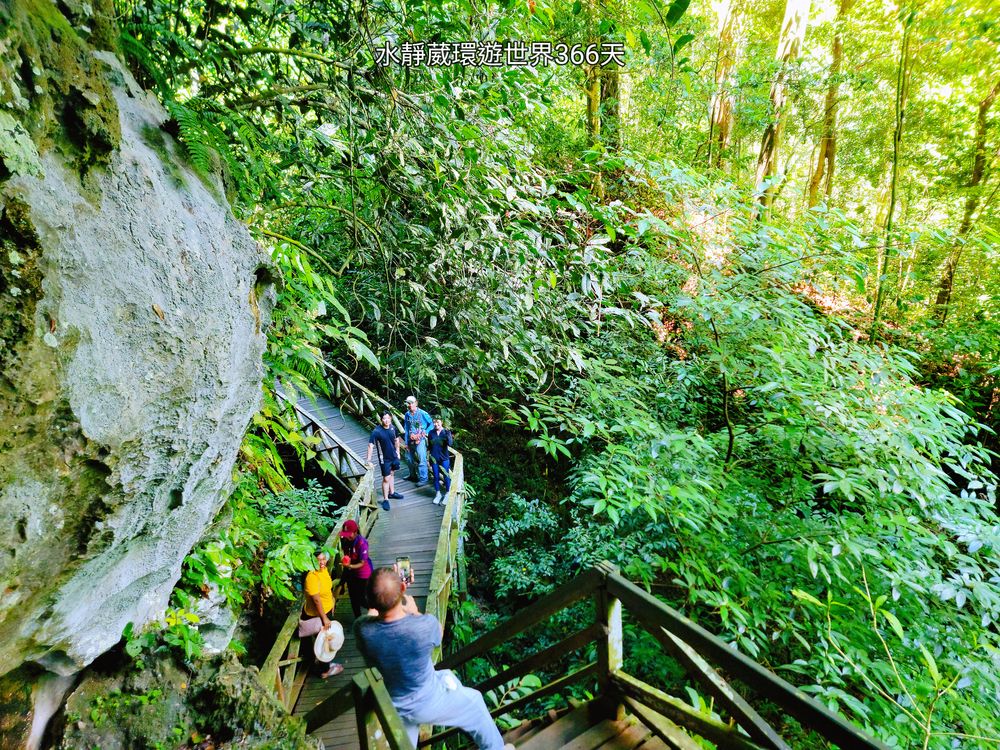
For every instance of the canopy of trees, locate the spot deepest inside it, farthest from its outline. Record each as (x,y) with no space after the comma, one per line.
(728,313)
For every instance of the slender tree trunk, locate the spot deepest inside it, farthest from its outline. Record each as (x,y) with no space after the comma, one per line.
(720,127)
(823,175)
(902,93)
(592,90)
(947,282)
(793,32)
(611,119)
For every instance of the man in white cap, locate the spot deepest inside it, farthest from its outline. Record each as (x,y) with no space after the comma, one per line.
(416,424)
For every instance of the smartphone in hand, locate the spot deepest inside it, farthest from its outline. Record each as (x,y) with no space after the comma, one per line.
(404,569)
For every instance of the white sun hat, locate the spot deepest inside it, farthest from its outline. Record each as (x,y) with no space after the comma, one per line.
(329,642)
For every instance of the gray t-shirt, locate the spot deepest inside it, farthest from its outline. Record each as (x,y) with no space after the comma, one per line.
(401,650)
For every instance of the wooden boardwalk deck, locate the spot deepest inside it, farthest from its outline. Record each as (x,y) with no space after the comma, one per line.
(410,529)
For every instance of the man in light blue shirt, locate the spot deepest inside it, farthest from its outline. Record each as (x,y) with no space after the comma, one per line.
(399,641)
(416,424)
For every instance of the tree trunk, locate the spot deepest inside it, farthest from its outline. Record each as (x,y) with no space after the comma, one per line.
(823,175)
(610,118)
(947,282)
(793,32)
(592,91)
(720,128)
(902,93)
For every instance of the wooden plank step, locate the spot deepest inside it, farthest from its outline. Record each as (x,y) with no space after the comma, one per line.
(573,724)
(669,734)
(633,736)
(594,737)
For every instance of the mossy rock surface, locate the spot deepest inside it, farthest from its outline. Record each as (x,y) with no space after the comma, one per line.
(132,327)
(165,706)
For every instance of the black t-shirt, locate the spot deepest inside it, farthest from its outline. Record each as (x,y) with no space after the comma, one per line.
(384,438)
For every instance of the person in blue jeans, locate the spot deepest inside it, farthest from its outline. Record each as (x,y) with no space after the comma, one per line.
(416,424)
(439,441)
(399,641)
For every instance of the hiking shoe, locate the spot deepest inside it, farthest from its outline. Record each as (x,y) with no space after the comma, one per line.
(395,496)
(437,498)
(385,505)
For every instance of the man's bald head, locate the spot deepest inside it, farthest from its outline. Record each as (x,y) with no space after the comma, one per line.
(385,590)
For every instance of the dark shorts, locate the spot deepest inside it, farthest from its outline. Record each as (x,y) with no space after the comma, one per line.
(388,467)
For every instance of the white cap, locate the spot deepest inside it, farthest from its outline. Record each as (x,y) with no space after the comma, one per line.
(411,399)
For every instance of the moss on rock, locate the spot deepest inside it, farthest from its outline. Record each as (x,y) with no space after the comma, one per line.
(164,705)
(50,79)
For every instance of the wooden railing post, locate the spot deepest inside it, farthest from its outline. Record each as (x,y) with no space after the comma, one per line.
(364,708)
(608,612)
(379,726)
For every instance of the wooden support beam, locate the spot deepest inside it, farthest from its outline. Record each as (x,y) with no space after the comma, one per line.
(762,681)
(392,725)
(569,593)
(269,670)
(578,640)
(363,700)
(291,665)
(731,701)
(608,613)
(672,735)
(297,686)
(726,737)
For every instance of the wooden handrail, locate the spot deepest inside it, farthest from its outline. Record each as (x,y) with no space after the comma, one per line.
(317,424)
(569,593)
(543,658)
(650,611)
(372,396)
(692,645)
(680,712)
(379,725)
(439,586)
(338,703)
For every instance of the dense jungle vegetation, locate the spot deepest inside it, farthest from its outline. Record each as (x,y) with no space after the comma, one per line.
(727,315)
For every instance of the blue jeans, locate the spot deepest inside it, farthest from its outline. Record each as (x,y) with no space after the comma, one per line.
(463,708)
(421,451)
(442,469)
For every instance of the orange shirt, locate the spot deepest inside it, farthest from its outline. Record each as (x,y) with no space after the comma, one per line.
(319,582)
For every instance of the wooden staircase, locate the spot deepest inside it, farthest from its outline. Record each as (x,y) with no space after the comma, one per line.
(626,711)
(592,726)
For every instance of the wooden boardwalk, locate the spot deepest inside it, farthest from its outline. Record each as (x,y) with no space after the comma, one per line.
(409,529)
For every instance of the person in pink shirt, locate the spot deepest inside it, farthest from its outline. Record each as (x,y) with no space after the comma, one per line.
(357,565)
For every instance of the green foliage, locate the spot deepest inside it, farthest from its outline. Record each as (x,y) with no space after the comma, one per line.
(106,708)
(510,691)
(651,371)
(177,633)
(265,550)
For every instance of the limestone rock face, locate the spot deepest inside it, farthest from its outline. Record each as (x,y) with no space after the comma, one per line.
(133,309)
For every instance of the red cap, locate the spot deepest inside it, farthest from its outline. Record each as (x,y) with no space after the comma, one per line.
(350,527)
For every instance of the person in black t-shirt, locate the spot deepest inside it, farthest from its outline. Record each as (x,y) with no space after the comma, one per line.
(388,442)
(440,440)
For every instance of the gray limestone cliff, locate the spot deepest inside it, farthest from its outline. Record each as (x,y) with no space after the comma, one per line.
(133,309)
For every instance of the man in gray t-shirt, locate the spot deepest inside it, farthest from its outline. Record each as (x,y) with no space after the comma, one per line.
(399,641)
